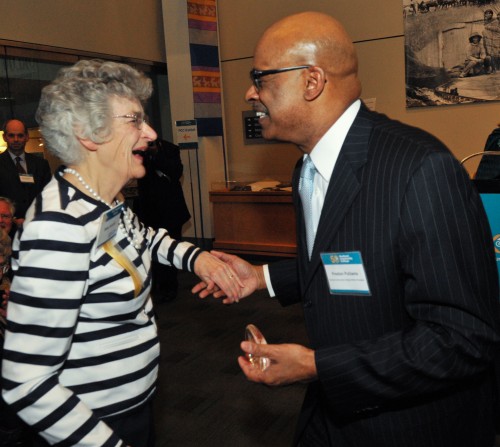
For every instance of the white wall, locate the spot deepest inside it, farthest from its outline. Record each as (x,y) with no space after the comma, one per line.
(128,28)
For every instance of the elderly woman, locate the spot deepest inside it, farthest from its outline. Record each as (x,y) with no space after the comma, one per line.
(81,351)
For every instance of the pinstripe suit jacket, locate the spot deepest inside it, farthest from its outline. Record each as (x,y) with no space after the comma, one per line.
(409,365)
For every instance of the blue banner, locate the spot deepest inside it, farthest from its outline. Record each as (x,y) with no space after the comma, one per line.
(491,202)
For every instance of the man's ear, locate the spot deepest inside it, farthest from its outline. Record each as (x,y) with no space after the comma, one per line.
(88,144)
(316,81)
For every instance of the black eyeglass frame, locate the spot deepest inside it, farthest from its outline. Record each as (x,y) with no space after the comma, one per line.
(255,74)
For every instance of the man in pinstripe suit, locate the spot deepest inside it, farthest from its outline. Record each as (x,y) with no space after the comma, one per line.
(401,356)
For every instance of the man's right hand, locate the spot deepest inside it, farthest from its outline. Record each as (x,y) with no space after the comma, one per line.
(252,277)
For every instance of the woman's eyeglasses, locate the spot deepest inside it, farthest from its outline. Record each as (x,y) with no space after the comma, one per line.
(136,120)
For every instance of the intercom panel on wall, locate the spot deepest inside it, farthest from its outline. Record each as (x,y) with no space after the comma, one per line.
(252,130)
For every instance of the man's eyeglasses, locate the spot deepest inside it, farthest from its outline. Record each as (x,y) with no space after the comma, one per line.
(14,135)
(6,216)
(255,75)
(136,120)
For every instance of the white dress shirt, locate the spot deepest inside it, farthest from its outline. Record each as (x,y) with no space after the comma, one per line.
(324,156)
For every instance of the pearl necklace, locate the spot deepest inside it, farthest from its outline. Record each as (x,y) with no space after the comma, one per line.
(126,225)
(86,185)
(133,234)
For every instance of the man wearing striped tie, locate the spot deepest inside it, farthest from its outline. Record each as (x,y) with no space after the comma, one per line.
(22,175)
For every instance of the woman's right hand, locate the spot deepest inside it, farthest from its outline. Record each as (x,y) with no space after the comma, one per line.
(216,274)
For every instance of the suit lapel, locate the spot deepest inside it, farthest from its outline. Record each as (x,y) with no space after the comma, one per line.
(30,163)
(343,188)
(6,158)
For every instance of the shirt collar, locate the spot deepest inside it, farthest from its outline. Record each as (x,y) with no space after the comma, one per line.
(13,156)
(324,155)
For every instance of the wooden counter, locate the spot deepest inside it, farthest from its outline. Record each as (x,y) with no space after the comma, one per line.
(260,223)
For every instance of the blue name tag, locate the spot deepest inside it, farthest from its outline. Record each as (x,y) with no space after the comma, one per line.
(109,224)
(345,273)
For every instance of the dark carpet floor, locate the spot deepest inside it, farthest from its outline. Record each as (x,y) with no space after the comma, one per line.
(203,397)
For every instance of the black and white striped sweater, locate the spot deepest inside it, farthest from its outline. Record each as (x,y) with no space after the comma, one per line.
(79,345)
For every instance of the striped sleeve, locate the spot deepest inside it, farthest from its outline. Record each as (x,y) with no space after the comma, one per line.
(166,250)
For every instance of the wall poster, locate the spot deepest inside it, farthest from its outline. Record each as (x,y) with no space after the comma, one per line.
(452,51)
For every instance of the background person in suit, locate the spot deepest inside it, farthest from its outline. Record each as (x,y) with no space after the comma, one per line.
(161,204)
(21,187)
(405,358)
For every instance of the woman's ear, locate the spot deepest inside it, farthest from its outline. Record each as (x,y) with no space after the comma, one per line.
(88,144)
(316,81)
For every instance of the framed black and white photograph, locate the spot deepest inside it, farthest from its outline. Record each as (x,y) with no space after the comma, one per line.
(452,51)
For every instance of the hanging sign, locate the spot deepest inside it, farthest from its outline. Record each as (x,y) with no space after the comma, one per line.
(187,134)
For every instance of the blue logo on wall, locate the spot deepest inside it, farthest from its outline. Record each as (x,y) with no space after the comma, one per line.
(491,204)
(496,243)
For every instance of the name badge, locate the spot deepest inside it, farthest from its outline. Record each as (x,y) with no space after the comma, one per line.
(109,224)
(26,178)
(345,273)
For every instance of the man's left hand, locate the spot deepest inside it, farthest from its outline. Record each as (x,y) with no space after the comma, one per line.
(289,363)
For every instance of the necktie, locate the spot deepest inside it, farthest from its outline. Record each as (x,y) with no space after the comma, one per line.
(19,166)
(306,189)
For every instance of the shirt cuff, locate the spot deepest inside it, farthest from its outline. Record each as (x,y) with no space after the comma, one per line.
(267,277)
